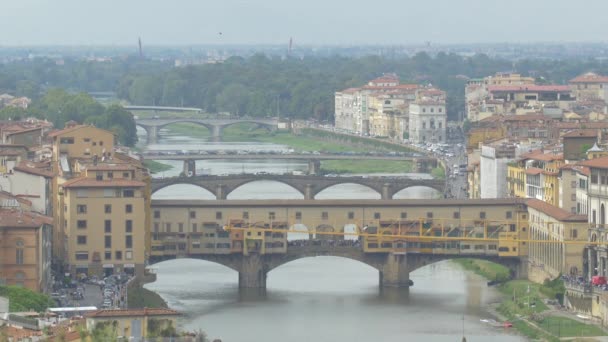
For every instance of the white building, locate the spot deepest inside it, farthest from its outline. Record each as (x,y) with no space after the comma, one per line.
(30,181)
(597,191)
(493,170)
(428,121)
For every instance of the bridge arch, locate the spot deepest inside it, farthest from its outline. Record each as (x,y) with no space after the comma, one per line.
(237,185)
(182,181)
(397,192)
(320,189)
(268,126)
(192,121)
(352,256)
(226,263)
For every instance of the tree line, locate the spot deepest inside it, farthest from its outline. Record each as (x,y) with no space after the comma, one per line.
(262,85)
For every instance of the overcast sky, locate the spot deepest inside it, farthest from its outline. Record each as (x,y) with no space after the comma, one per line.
(344,22)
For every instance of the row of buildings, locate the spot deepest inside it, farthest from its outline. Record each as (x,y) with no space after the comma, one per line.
(386,108)
(70,201)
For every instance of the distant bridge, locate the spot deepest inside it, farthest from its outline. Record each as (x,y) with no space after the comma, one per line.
(216,126)
(165,109)
(309,186)
(420,164)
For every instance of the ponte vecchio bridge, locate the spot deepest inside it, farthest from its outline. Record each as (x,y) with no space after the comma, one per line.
(396,237)
(308,186)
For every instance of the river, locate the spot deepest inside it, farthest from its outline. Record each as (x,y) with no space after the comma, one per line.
(322,298)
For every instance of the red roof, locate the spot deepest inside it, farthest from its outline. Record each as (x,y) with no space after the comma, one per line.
(29,167)
(586,133)
(12,218)
(540,155)
(533,171)
(590,78)
(555,212)
(94,183)
(598,163)
(529,88)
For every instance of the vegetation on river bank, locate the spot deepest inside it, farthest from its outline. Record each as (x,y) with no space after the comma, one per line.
(156,167)
(365,166)
(22,299)
(140,297)
(523,305)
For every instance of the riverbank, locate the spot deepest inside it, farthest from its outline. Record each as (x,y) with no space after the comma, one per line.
(523,304)
(156,167)
(140,297)
(308,140)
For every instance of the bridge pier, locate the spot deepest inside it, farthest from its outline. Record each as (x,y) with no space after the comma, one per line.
(189,169)
(314,166)
(220,192)
(152,134)
(395,271)
(217,132)
(308,195)
(253,272)
(386,191)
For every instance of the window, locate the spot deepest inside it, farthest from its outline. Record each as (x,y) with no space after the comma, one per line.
(81,224)
(245,215)
(107,241)
(128,255)
(156,227)
(156,214)
(573,197)
(482,215)
(512,227)
(110,175)
(66,140)
(109,193)
(218,215)
(81,239)
(193,214)
(298,215)
(82,255)
(180,227)
(99,176)
(107,256)
(324,215)
(194,228)
(168,227)
(128,193)
(81,209)
(118,255)
(108,226)
(128,208)
(19,252)
(125,175)
(574,233)
(128,226)
(376,216)
(509,214)
(129,241)
(107,208)
(81,193)
(271,215)
(351,215)
(87,139)
(403,215)
(429,214)
(456,214)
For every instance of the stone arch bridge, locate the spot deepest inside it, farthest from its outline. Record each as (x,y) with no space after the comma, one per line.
(216,126)
(308,186)
(394,268)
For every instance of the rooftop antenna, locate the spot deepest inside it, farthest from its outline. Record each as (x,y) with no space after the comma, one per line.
(290,46)
(141,52)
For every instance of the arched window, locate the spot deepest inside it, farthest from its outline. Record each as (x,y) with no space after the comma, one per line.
(19,252)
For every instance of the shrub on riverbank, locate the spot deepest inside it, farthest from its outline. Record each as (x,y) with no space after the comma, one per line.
(140,297)
(156,167)
(486,269)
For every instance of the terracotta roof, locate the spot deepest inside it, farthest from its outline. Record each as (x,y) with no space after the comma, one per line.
(598,163)
(539,155)
(578,168)
(555,212)
(31,168)
(132,312)
(14,218)
(72,129)
(590,78)
(350,90)
(586,133)
(533,171)
(94,183)
(19,334)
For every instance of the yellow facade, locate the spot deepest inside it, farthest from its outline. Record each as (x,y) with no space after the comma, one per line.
(516,181)
(180,229)
(104,215)
(476,136)
(82,142)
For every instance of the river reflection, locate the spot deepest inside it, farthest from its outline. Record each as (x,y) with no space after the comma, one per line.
(329,299)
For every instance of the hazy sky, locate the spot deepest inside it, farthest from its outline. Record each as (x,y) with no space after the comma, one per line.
(344,22)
